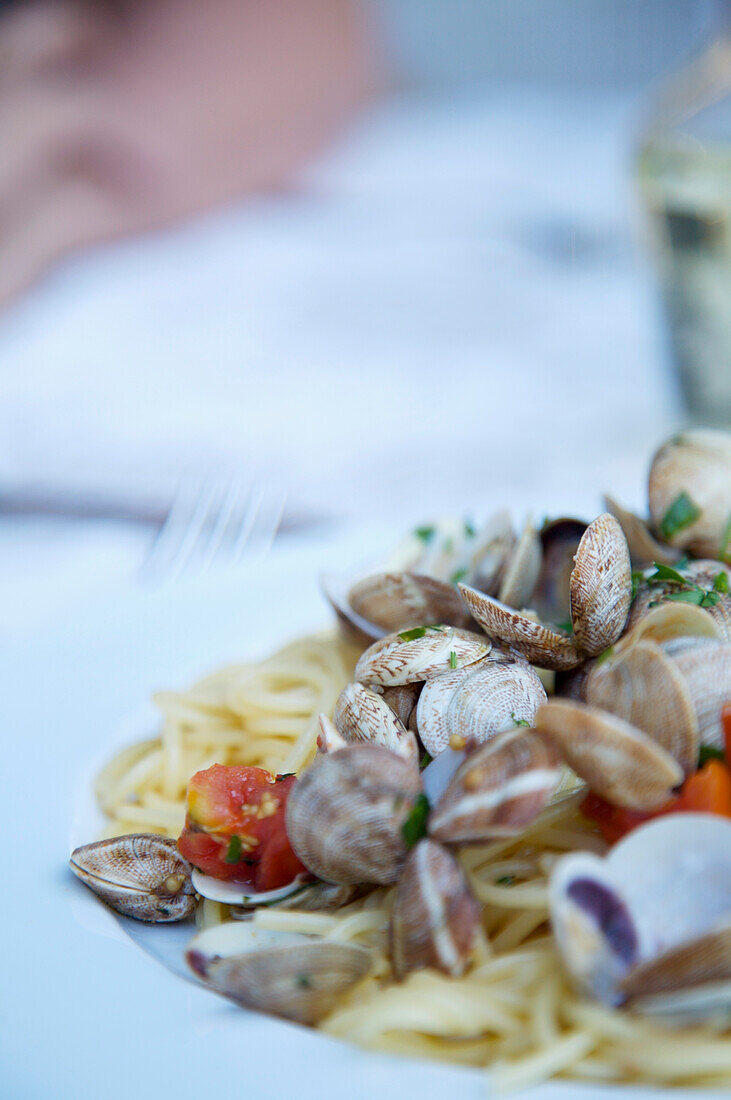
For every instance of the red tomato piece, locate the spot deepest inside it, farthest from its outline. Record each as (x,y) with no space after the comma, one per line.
(726,720)
(235,827)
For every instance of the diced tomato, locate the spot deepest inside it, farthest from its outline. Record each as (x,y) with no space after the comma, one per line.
(706,791)
(726,720)
(235,827)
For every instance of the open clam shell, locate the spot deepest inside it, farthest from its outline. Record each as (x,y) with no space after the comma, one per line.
(536,642)
(690,491)
(419,654)
(345,815)
(281,974)
(399,601)
(435,919)
(653,915)
(362,715)
(644,686)
(644,548)
(478,702)
(706,672)
(601,585)
(551,597)
(521,569)
(142,876)
(499,789)
(237,893)
(617,760)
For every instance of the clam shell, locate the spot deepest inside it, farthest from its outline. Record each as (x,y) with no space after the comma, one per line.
(522,569)
(697,463)
(329,738)
(498,790)
(281,974)
(706,671)
(362,715)
(398,601)
(491,553)
(552,592)
(617,760)
(435,919)
(142,876)
(540,645)
(402,700)
(396,660)
(432,712)
(644,548)
(601,585)
(346,813)
(666,621)
(705,959)
(353,627)
(645,687)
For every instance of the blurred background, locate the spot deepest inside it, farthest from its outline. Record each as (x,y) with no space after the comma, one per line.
(276,266)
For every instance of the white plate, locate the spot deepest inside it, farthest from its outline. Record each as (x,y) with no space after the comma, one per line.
(84,1012)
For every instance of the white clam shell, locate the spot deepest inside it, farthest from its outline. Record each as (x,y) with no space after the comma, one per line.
(362,715)
(538,643)
(697,463)
(522,569)
(400,659)
(237,893)
(666,884)
(601,585)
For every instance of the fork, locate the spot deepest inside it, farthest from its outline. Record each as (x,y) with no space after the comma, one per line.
(212,520)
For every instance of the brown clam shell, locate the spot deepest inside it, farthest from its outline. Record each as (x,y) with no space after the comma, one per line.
(601,585)
(705,959)
(697,463)
(362,715)
(142,876)
(617,760)
(346,813)
(400,659)
(435,919)
(499,789)
(536,642)
(398,601)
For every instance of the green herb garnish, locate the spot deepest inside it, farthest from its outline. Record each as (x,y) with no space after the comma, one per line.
(426,534)
(505,880)
(304,981)
(412,635)
(458,575)
(234,852)
(605,655)
(690,595)
(567,626)
(520,721)
(665,575)
(452,659)
(681,513)
(710,752)
(414,827)
(638,578)
(720,584)
(469,529)
(426,759)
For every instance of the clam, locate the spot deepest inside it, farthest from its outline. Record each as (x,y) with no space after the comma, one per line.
(419,654)
(644,548)
(398,601)
(521,571)
(499,789)
(329,738)
(142,876)
(601,585)
(282,974)
(651,921)
(345,815)
(668,620)
(491,553)
(703,578)
(435,919)
(551,594)
(617,760)
(706,671)
(402,700)
(237,893)
(478,702)
(363,715)
(690,492)
(644,686)
(538,643)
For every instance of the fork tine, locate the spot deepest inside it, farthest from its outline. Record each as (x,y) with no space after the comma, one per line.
(225,522)
(200,518)
(267,521)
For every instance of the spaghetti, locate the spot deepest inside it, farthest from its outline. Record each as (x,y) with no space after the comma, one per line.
(514,1011)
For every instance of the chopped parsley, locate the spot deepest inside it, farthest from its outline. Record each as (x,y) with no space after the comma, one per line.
(426,759)
(458,575)
(710,752)
(690,592)
(505,880)
(605,655)
(426,534)
(681,513)
(469,529)
(234,852)
(664,574)
(452,659)
(416,632)
(304,981)
(520,721)
(638,578)
(720,584)
(414,827)
(567,626)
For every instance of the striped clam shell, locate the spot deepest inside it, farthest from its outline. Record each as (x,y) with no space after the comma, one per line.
(601,585)
(401,659)
(362,715)
(435,919)
(397,601)
(499,789)
(537,643)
